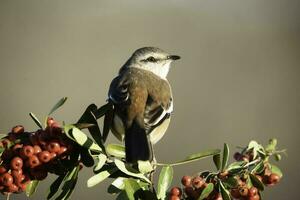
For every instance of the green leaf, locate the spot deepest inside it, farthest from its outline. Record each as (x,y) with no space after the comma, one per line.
(116,150)
(108,119)
(101,161)
(119,183)
(225,156)
(197,156)
(230,182)
(272,145)
(277,157)
(256,148)
(54,187)
(217,161)
(131,187)
(256,182)
(207,190)
(145,166)
(81,138)
(58,104)
(94,180)
(36,120)
(31,188)
(276,170)
(70,181)
(259,168)
(89,117)
(130,171)
(86,158)
(164,181)
(102,110)
(224,192)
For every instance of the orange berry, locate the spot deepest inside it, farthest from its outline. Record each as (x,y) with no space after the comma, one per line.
(27,151)
(175,191)
(19,129)
(7,179)
(186,181)
(53,147)
(16,163)
(44,156)
(33,161)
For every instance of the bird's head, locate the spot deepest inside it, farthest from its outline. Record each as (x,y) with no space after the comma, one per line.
(152,59)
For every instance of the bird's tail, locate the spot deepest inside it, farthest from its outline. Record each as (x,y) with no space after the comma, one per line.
(137,144)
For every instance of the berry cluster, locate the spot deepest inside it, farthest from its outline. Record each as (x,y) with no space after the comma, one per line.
(242,180)
(30,156)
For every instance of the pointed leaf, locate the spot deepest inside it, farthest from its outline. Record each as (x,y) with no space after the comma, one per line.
(116,150)
(217,161)
(130,171)
(70,181)
(276,170)
(230,182)
(119,183)
(206,191)
(31,188)
(108,119)
(81,138)
(89,117)
(256,182)
(225,156)
(225,193)
(86,157)
(94,180)
(259,167)
(145,166)
(164,181)
(197,156)
(101,161)
(58,104)
(102,110)
(131,187)
(54,187)
(36,120)
(272,145)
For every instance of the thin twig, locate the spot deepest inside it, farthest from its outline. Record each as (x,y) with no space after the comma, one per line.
(8,196)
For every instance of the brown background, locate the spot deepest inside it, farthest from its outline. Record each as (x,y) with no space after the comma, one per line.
(238,78)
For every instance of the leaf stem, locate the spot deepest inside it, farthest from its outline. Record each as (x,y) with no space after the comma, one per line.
(8,196)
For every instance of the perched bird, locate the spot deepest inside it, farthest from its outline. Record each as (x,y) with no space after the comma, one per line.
(143,102)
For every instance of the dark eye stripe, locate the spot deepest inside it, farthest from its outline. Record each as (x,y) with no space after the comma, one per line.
(151,59)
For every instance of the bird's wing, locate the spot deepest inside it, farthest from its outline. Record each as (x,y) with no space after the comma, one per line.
(118,91)
(157,111)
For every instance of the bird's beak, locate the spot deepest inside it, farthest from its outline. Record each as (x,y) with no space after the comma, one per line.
(174,57)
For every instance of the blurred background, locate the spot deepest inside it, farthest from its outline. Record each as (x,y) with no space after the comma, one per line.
(238,79)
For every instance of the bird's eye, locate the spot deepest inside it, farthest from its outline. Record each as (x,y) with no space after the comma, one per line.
(151,59)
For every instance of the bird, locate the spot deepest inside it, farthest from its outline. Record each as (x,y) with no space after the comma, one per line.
(142,102)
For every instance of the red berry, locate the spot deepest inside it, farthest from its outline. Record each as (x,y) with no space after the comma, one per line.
(243,191)
(252,191)
(37,149)
(5,142)
(218,196)
(44,156)
(27,151)
(274,179)
(235,193)
(16,163)
(13,188)
(33,161)
(198,182)
(255,197)
(174,197)
(2,170)
(62,150)
(190,192)
(186,181)
(22,187)
(19,129)
(53,147)
(17,147)
(175,191)
(7,179)
(18,175)
(33,139)
(237,156)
